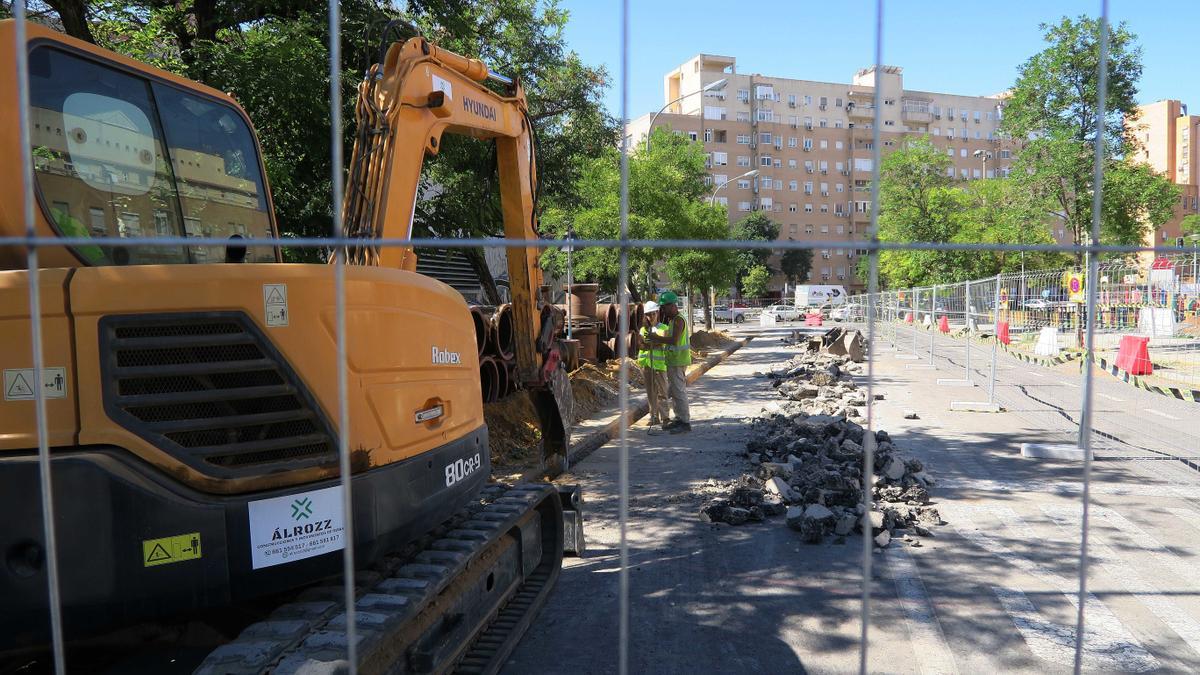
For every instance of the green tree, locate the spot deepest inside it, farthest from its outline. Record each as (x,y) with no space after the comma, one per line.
(1190,225)
(754,283)
(795,264)
(1053,108)
(273,58)
(667,200)
(757,226)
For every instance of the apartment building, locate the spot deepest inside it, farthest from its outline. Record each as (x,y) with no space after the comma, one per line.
(1164,131)
(811,144)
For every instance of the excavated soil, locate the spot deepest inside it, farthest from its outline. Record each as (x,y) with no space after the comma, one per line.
(704,339)
(514,435)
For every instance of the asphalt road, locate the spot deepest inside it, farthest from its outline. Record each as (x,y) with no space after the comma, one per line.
(993,591)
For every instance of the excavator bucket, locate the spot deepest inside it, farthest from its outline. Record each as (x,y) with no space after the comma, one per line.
(555,404)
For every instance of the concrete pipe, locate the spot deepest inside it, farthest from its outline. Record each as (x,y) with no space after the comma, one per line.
(489,379)
(583,299)
(587,343)
(502,384)
(502,324)
(481,328)
(606,314)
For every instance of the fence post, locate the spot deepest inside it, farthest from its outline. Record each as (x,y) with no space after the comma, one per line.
(995,341)
(932,322)
(967,314)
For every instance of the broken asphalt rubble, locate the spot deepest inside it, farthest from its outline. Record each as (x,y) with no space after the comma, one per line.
(806,456)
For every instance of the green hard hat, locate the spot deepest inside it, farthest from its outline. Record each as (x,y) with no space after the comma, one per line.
(668,298)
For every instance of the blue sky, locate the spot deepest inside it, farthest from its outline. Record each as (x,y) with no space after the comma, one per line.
(970,47)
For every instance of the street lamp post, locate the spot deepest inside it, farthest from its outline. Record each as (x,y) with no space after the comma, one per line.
(712,199)
(711,86)
(984,155)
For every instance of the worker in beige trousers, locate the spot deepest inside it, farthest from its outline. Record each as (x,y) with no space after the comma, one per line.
(653,360)
(679,357)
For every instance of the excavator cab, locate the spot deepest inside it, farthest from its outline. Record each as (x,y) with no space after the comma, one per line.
(192,389)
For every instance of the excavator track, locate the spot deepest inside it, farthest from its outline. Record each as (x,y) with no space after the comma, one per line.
(459,605)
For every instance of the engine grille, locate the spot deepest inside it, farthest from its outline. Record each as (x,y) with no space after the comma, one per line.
(211,390)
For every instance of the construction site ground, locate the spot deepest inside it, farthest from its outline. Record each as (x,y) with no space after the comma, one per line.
(992,591)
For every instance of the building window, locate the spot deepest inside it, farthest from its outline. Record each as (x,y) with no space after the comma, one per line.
(825,255)
(807,100)
(807,122)
(792,229)
(808,187)
(793,185)
(1005,154)
(723,201)
(840,187)
(809,167)
(824,229)
(714,112)
(808,209)
(721,137)
(743,116)
(708,135)
(824,166)
(764,115)
(792,142)
(744,183)
(765,160)
(744,95)
(764,138)
(889,123)
(792,209)
(963,174)
(937,131)
(962,152)
(778,184)
(692,135)
(824,123)
(720,179)
(791,163)
(949,152)
(808,229)
(743,139)
(743,206)
(837,124)
(824,144)
(837,102)
(841,229)
(792,100)
(808,144)
(720,158)
(766,204)
(743,160)
(825,209)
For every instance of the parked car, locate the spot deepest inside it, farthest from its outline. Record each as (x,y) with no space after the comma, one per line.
(849,312)
(784,312)
(730,314)
(1037,303)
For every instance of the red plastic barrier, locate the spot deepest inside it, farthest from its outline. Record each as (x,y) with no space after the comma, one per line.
(1134,355)
(812,319)
(944,325)
(1002,333)
(909,318)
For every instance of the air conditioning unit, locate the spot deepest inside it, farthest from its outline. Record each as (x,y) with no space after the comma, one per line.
(850,125)
(824,172)
(825,193)
(937,116)
(821,107)
(808,149)
(845,172)
(791,104)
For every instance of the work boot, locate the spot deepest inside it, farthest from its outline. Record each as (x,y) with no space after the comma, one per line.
(680,428)
(670,424)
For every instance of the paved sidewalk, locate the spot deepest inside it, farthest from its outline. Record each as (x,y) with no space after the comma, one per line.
(992,592)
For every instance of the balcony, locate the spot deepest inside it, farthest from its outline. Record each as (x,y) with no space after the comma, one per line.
(861,111)
(919,116)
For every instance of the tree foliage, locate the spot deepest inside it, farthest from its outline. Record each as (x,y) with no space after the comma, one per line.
(754,283)
(795,264)
(272,56)
(920,202)
(757,226)
(1053,109)
(667,200)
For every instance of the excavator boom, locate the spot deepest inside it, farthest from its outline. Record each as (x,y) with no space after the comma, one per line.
(406,104)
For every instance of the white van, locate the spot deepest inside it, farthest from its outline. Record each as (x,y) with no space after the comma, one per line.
(817,295)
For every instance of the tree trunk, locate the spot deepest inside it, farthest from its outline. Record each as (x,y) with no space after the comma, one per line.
(73,14)
(478,263)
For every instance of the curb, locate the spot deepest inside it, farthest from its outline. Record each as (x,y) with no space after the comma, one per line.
(1041,360)
(595,440)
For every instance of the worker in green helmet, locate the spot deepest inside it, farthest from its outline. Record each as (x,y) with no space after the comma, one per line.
(679,356)
(653,360)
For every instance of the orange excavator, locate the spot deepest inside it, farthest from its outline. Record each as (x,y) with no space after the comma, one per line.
(191,389)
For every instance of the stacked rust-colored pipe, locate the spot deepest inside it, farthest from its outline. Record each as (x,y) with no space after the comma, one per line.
(496,342)
(594,337)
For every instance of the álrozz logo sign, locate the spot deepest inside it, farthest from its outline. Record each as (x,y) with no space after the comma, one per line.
(294,527)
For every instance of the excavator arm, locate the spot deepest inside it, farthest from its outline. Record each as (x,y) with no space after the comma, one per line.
(405,105)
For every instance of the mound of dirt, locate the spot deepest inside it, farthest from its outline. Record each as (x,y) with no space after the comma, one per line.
(514,433)
(1190,327)
(704,339)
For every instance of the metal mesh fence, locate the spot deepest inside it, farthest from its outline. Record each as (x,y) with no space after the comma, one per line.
(957,328)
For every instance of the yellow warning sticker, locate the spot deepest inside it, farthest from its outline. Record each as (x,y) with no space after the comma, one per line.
(171,549)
